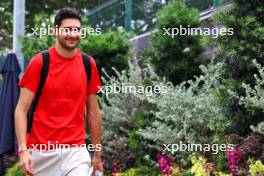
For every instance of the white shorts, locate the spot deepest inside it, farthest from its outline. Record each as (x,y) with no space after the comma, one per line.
(62,162)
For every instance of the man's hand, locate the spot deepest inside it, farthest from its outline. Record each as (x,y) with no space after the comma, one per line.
(26,163)
(97,165)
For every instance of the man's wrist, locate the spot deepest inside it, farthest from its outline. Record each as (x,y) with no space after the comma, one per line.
(22,146)
(21,150)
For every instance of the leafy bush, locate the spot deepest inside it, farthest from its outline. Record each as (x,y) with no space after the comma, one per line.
(139,171)
(123,114)
(110,49)
(252,146)
(254,96)
(190,112)
(32,44)
(201,167)
(130,172)
(256,168)
(238,51)
(15,170)
(176,58)
(139,123)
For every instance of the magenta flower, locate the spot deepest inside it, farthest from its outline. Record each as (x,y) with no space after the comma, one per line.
(164,163)
(234,157)
(115,170)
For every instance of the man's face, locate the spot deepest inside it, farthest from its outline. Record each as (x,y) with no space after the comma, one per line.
(69,33)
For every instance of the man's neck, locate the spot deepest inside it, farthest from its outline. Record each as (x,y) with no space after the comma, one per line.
(65,53)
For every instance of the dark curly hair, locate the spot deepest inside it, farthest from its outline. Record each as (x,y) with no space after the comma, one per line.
(66,13)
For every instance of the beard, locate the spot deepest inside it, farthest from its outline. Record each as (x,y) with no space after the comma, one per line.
(63,43)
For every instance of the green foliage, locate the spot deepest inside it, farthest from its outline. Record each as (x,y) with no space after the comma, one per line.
(198,166)
(130,172)
(110,49)
(139,123)
(123,114)
(134,143)
(142,170)
(221,161)
(188,112)
(238,51)
(256,168)
(14,171)
(187,172)
(259,128)
(176,58)
(254,96)
(31,45)
(6,23)
(202,168)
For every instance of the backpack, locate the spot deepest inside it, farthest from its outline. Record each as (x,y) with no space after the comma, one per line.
(43,77)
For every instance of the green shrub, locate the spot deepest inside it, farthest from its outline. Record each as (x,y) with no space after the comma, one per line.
(123,114)
(137,123)
(110,49)
(176,58)
(256,168)
(190,112)
(14,171)
(140,171)
(32,44)
(130,172)
(254,96)
(238,51)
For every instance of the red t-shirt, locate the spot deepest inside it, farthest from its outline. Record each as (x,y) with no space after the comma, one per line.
(59,116)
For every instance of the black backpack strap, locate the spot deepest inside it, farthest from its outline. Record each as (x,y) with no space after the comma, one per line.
(87,65)
(43,77)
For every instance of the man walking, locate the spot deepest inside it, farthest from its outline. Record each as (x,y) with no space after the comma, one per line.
(55,145)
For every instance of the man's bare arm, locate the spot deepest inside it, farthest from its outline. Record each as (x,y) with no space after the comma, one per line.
(95,123)
(94,120)
(24,102)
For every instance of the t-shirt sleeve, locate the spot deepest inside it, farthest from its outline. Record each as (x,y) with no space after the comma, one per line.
(94,85)
(31,76)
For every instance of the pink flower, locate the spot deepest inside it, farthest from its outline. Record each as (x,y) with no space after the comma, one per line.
(209,167)
(115,170)
(233,158)
(164,163)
